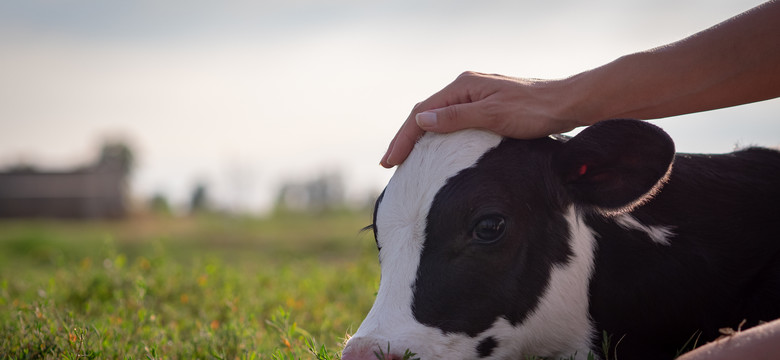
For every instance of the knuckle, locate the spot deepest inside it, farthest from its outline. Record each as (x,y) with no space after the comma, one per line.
(416,109)
(468,75)
(452,113)
(491,118)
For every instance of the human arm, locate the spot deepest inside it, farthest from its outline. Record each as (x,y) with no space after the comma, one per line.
(732,63)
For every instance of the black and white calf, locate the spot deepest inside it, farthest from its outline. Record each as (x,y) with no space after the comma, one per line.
(493,248)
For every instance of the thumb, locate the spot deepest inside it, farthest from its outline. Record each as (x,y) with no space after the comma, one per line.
(450,118)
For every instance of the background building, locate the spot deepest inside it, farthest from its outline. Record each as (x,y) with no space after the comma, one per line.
(95,191)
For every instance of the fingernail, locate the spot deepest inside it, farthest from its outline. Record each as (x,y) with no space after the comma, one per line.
(426,119)
(388,162)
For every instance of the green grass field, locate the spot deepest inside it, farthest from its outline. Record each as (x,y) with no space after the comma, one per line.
(207,287)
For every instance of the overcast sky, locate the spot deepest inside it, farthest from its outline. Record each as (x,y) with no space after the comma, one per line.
(245,94)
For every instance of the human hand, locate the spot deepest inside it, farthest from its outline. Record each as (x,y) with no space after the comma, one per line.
(512,107)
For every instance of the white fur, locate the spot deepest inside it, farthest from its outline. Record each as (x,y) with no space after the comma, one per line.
(560,326)
(661,235)
(401,232)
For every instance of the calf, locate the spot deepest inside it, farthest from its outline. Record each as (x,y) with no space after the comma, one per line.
(495,248)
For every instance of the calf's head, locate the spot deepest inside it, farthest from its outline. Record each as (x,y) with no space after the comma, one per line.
(482,248)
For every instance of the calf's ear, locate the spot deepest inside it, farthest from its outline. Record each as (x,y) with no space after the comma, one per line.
(615,165)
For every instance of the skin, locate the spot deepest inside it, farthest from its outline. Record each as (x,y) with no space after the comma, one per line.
(732,63)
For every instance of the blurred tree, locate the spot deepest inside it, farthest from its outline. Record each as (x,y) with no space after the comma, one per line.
(159,204)
(116,155)
(199,201)
(321,194)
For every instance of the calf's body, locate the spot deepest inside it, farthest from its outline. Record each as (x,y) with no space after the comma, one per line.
(497,248)
(721,264)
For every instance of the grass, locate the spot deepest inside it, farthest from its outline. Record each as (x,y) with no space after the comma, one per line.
(210,287)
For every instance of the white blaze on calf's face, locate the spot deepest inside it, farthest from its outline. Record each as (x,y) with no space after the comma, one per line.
(400,230)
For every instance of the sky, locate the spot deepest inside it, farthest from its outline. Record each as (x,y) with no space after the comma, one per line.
(245,95)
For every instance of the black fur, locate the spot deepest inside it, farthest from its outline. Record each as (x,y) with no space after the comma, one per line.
(723,263)
(486,346)
(464,285)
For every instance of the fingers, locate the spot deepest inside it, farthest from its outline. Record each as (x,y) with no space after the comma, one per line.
(385,162)
(445,111)
(402,144)
(443,120)
(453,118)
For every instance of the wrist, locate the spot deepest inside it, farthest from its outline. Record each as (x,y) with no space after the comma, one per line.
(570,106)
(602,93)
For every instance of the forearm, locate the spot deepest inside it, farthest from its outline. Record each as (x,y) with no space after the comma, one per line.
(735,62)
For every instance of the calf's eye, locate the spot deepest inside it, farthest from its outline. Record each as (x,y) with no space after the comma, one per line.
(489,229)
